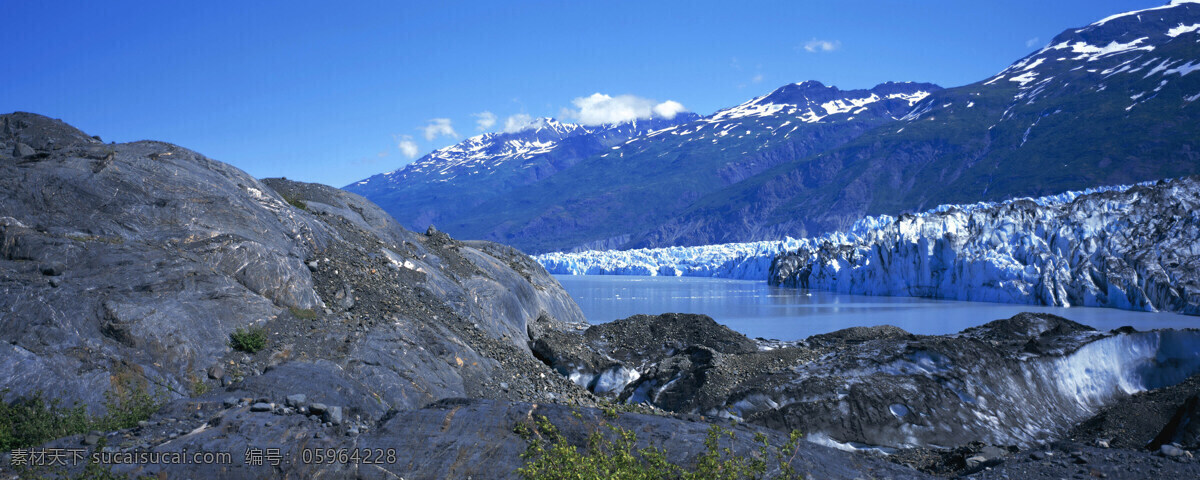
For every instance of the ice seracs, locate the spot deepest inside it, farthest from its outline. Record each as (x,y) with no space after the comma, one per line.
(1130,247)
(1136,249)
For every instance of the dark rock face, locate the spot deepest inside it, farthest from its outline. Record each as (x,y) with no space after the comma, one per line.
(1183,429)
(608,357)
(849,337)
(1146,420)
(1011,382)
(134,262)
(156,254)
(455,438)
(1073,460)
(1016,381)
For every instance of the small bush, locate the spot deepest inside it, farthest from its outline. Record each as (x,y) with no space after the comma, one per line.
(249,340)
(126,406)
(33,421)
(199,387)
(614,455)
(296,202)
(303,313)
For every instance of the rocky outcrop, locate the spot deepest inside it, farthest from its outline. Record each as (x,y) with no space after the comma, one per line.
(454,438)
(134,263)
(129,265)
(1017,381)
(1146,420)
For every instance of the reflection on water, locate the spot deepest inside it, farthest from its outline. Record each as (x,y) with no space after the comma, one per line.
(759,310)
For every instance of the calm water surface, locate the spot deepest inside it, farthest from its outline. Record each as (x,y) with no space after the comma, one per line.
(759,310)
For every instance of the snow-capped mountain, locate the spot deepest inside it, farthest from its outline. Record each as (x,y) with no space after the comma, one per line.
(1113,102)
(746,139)
(1132,247)
(1143,55)
(448,183)
(561,185)
(479,154)
(483,154)
(811,101)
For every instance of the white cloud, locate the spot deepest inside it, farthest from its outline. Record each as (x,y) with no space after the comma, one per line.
(669,109)
(518,122)
(1033,42)
(599,109)
(439,127)
(407,146)
(757,78)
(484,120)
(814,45)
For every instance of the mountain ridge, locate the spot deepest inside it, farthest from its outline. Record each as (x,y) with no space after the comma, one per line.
(1111,102)
(724,148)
(1096,106)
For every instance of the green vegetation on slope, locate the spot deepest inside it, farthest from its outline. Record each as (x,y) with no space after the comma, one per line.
(612,453)
(30,421)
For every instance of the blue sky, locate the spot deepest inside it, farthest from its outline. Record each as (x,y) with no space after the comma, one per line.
(333,92)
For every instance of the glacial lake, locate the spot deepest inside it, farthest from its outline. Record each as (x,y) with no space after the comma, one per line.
(759,310)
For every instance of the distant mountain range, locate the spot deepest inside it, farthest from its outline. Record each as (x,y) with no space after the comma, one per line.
(447,184)
(1112,102)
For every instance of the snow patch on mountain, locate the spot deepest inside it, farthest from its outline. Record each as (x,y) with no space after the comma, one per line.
(1182,70)
(1182,29)
(793,100)
(1110,18)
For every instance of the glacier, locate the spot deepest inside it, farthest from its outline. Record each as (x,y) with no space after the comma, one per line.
(1127,246)
(732,260)
(1135,248)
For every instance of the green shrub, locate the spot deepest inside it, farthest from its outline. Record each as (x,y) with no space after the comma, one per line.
(303,313)
(198,386)
(33,421)
(296,202)
(249,340)
(128,405)
(611,453)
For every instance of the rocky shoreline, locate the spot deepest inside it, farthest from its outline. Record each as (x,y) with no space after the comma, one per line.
(945,405)
(127,267)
